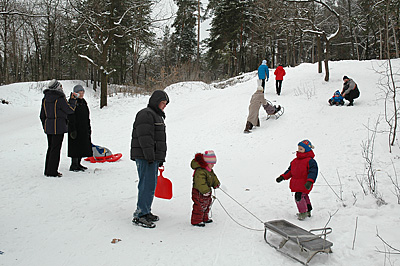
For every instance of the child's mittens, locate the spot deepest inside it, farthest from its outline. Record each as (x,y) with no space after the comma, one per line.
(308,185)
(279,179)
(207,194)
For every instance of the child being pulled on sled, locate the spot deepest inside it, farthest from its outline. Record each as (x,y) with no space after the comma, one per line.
(204,179)
(257,99)
(337,99)
(302,172)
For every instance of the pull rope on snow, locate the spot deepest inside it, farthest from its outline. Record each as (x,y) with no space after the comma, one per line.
(230,216)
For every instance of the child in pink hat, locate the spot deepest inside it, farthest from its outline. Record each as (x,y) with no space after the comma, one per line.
(204,179)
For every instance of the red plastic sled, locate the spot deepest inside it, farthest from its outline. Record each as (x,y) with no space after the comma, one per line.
(110,158)
(164,186)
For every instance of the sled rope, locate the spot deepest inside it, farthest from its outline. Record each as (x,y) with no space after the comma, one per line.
(233,219)
(242,206)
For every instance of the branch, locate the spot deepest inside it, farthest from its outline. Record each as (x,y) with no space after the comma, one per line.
(384,242)
(88,59)
(330,217)
(11,13)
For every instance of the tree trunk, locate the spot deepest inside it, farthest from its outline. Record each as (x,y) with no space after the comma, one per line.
(313,51)
(288,51)
(5,69)
(300,60)
(294,51)
(274,53)
(351,29)
(49,49)
(395,40)
(326,61)
(103,93)
(87,74)
(380,44)
(103,76)
(198,34)
(319,54)
(95,78)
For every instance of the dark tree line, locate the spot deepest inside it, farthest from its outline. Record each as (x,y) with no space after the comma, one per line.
(290,32)
(115,41)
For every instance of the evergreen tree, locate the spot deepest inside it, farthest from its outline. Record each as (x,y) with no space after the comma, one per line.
(184,37)
(227,35)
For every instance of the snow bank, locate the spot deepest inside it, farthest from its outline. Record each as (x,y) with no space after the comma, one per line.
(72,220)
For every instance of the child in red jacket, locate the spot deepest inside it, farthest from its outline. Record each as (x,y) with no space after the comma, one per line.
(302,172)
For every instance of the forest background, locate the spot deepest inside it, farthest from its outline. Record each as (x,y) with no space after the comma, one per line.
(135,46)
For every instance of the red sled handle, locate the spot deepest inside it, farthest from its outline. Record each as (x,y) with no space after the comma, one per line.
(110,158)
(164,186)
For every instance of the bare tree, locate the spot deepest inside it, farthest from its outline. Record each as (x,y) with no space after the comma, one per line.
(308,25)
(369,179)
(389,85)
(100,23)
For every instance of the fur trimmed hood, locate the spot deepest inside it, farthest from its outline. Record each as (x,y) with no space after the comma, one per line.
(198,161)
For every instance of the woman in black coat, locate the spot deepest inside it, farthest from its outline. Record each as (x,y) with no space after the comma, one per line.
(79,132)
(53,116)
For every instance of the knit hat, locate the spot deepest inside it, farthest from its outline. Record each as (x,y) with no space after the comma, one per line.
(78,88)
(209,157)
(306,144)
(54,84)
(264,62)
(345,77)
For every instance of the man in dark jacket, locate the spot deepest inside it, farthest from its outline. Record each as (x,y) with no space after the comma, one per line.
(350,90)
(148,150)
(53,116)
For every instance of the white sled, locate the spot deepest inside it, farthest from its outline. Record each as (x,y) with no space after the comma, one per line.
(276,115)
(305,240)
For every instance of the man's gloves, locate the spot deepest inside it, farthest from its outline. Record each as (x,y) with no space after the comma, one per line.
(308,185)
(280,179)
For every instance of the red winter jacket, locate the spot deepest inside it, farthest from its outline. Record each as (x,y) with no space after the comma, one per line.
(279,73)
(302,169)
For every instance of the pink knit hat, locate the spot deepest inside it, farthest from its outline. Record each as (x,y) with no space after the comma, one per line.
(209,157)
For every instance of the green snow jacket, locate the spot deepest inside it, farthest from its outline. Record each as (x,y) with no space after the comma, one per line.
(203,180)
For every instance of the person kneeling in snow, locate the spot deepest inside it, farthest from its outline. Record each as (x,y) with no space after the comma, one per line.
(204,179)
(255,103)
(337,99)
(350,90)
(302,172)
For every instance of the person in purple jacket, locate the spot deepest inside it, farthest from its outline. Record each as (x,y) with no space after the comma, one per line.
(53,115)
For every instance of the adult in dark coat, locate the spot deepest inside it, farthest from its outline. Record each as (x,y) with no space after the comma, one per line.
(350,90)
(53,115)
(79,137)
(148,150)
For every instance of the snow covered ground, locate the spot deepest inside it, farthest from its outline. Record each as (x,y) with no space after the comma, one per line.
(72,220)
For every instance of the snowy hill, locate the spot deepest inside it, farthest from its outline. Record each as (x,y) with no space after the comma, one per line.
(72,220)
